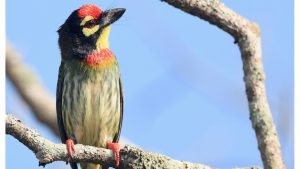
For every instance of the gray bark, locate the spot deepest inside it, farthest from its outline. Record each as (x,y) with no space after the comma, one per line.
(131,157)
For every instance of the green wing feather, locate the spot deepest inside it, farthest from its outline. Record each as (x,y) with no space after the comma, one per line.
(117,136)
(59,90)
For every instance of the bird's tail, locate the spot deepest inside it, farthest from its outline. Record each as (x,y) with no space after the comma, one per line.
(92,166)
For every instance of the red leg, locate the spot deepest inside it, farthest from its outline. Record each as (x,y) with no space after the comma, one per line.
(115,147)
(70,147)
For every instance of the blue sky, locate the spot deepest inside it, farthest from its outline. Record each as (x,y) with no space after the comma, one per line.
(182,77)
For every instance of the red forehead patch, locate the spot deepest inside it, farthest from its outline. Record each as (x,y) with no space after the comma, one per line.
(89,10)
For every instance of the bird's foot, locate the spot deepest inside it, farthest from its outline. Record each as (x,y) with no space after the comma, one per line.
(115,147)
(70,147)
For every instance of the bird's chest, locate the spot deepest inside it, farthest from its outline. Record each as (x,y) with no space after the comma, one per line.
(91,106)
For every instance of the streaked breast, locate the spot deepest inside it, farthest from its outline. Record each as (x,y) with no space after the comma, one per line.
(91,104)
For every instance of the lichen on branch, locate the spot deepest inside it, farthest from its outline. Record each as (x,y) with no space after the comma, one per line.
(131,157)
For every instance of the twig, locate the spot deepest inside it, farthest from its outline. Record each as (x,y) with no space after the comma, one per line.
(131,157)
(31,90)
(247,35)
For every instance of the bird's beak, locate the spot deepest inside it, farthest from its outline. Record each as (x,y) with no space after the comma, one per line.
(110,16)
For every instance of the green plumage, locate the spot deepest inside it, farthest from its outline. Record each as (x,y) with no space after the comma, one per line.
(91,104)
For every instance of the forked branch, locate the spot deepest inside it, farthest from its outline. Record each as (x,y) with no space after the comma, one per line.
(247,35)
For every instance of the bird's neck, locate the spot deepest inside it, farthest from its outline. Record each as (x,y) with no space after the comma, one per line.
(102,59)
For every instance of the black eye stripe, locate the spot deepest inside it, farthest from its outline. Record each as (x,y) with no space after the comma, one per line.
(90,24)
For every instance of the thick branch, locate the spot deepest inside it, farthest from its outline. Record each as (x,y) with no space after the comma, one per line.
(47,152)
(31,90)
(247,35)
(131,157)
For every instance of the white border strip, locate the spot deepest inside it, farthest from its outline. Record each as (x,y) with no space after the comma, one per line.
(2,83)
(296,85)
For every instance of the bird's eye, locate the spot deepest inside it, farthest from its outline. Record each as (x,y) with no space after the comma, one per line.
(90,24)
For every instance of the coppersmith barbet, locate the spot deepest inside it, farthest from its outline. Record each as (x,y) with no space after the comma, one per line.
(89,91)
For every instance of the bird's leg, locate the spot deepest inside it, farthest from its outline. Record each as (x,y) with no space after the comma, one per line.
(70,145)
(115,147)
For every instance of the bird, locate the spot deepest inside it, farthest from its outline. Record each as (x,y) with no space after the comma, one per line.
(89,96)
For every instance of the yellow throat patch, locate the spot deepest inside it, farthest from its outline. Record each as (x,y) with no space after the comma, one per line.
(102,41)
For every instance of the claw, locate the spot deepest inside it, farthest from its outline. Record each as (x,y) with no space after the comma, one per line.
(115,147)
(70,147)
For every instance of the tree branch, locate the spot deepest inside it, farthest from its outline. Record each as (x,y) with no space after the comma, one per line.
(30,89)
(247,35)
(131,157)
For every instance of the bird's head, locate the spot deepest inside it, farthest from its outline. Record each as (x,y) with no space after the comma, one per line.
(86,31)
